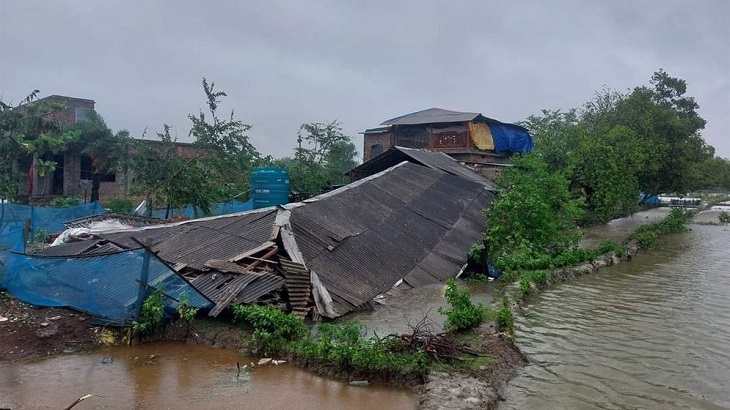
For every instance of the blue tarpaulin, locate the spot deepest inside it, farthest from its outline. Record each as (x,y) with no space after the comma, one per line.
(107,287)
(510,138)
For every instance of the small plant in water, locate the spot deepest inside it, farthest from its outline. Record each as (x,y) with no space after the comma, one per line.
(463,314)
(504,318)
(724,217)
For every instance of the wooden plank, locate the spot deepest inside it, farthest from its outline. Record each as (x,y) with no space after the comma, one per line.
(263,247)
(227,298)
(225,266)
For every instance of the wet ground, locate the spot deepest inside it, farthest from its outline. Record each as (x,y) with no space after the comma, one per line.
(170,375)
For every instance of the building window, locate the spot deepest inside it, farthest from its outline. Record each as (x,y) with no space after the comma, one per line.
(83,114)
(449,135)
(375,150)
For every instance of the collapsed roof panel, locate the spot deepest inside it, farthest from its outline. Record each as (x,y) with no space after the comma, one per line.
(426,215)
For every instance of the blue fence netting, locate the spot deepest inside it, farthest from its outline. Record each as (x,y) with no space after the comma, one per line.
(11,239)
(109,287)
(49,220)
(191,212)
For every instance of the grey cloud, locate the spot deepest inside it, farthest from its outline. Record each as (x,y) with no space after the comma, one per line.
(284,63)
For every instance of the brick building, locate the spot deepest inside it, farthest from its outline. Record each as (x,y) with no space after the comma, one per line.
(74,170)
(471,138)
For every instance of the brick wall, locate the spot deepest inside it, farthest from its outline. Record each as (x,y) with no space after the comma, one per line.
(385,140)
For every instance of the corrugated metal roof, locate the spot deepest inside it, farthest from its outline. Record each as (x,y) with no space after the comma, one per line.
(214,285)
(363,239)
(431,159)
(130,220)
(430,116)
(69,249)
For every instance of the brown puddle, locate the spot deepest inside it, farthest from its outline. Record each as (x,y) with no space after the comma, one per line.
(179,377)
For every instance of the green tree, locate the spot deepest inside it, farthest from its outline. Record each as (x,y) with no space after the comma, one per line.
(667,120)
(323,155)
(29,128)
(556,135)
(217,169)
(534,215)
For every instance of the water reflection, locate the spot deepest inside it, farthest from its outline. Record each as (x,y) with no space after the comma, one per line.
(178,376)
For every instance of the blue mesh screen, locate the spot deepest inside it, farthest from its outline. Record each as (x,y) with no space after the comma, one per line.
(107,287)
(48,219)
(191,212)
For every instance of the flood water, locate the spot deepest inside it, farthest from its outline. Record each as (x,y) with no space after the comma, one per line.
(180,377)
(650,334)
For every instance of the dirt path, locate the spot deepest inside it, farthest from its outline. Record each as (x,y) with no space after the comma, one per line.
(27,332)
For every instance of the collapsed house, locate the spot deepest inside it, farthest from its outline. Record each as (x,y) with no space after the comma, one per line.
(408,226)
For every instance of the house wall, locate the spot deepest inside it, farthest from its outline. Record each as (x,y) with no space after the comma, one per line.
(369,140)
(72,173)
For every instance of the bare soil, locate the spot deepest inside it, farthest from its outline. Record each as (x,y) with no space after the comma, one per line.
(30,332)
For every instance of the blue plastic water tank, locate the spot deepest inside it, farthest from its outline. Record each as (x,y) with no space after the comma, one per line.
(269,187)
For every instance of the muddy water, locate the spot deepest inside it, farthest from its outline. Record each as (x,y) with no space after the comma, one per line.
(180,377)
(650,334)
(620,229)
(398,313)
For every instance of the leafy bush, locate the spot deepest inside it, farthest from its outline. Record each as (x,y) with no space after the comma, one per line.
(724,217)
(611,248)
(533,219)
(504,318)
(65,201)
(463,314)
(185,311)
(151,315)
(347,346)
(120,205)
(476,254)
(273,330)
(539,277)
(647,236)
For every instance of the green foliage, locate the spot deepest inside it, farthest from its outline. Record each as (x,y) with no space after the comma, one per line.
(65,201)
(712,173)
(273,330)
(323,156)
(186,312)
(504,319)
(347,346)
(724,217)
(119,205)
(648,236)
(40,237)
(151,315)
(476,254)
(216,170)
(533,219)
(619,144)
(462,314)
(611,248)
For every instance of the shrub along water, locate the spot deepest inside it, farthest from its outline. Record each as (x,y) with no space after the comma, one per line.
(347,346)
(462,314)
(647,236)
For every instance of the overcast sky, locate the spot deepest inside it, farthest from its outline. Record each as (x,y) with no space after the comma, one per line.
(284,63)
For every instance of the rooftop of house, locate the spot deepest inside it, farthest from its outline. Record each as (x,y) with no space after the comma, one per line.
(431,116)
